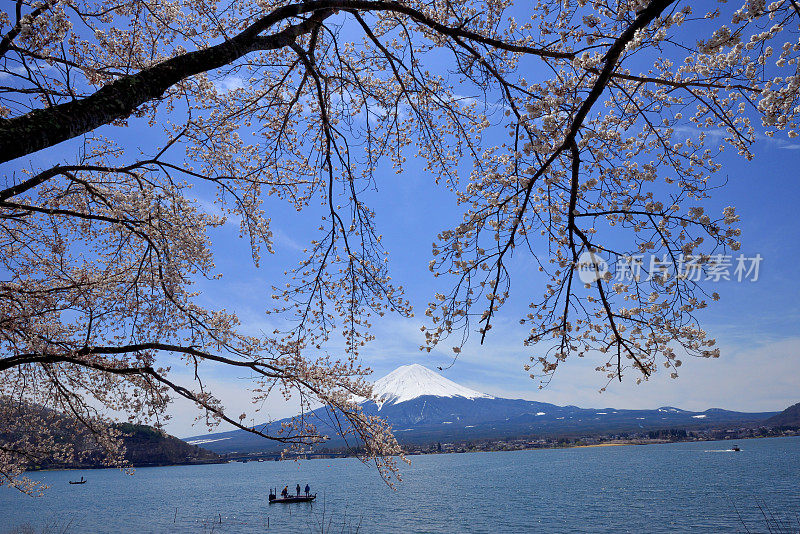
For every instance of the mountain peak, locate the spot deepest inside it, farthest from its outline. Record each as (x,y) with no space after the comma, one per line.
(411,381)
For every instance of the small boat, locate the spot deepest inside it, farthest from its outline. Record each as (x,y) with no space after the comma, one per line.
(736,448)
(81,481)
(290,498)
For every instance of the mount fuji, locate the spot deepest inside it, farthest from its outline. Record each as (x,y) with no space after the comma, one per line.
(423,406)
(408,382)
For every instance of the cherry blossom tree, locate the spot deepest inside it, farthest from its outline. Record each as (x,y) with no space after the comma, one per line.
(613,114)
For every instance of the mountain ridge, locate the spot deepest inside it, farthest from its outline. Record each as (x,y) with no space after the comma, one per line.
(459,413)
(790,417)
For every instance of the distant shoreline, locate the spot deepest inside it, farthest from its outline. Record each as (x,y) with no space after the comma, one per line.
(330,456)
(323,455)
(618,443)
(609,444)
(136,466)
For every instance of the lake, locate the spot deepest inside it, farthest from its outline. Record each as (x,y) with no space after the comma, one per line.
(677,487)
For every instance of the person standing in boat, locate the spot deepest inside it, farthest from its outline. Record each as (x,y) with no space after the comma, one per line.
(298,490)
(285,492)
(308,490)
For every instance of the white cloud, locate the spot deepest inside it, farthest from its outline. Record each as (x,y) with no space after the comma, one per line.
(228,83)
(282,239)
(756,378)
(236,397)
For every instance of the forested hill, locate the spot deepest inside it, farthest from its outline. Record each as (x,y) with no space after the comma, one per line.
(790,417)
(146,446)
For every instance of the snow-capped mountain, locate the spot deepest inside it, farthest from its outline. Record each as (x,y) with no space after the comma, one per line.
(408,382)
(423,406)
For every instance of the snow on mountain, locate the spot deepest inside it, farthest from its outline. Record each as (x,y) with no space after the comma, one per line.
(424,407)
(411,381)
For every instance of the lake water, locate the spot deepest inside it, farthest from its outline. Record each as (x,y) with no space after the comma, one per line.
(679,487)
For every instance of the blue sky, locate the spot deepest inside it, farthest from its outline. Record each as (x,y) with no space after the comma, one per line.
(756,324)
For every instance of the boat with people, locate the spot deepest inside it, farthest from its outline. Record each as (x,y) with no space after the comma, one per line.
(287,498)
(736,448)
(81,481)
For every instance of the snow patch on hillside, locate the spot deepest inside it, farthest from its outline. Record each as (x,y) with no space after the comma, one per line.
(411,381)
(204,441)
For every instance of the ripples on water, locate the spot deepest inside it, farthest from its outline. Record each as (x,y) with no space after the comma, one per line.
(680,487)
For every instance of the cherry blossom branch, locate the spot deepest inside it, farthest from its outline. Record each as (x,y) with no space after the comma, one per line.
(644,17)
(39,129)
